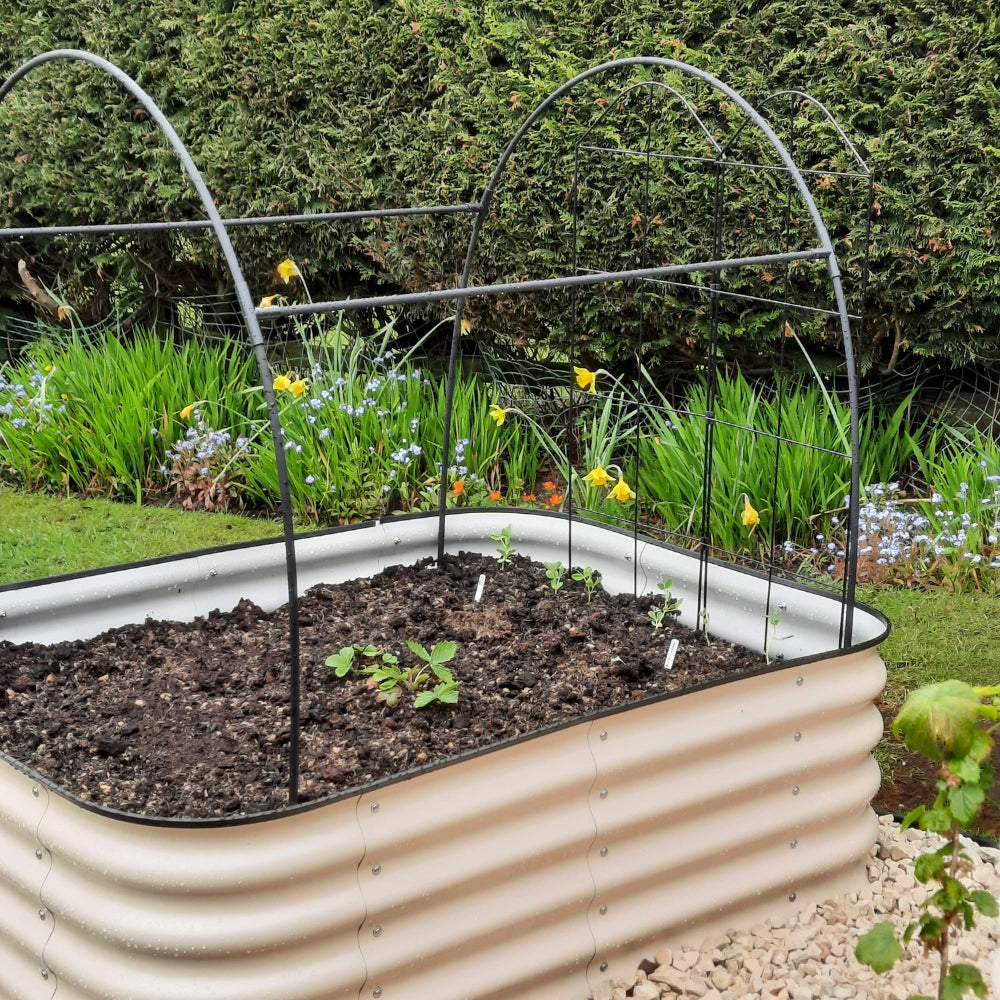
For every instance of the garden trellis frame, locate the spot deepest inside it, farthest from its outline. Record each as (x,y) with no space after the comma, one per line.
(646,276)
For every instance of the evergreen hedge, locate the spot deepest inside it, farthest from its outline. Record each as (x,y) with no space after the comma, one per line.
(296,106)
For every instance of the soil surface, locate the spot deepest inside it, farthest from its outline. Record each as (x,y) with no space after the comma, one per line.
(192,719)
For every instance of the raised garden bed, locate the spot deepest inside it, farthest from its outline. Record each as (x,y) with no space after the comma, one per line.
(537,868)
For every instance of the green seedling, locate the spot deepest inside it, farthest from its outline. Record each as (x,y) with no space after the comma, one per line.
(555,571)
(589,580)
(505,550)
(670,604)
(391,679)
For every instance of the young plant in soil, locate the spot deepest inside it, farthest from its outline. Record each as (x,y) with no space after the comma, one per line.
(943,722)
(385,673)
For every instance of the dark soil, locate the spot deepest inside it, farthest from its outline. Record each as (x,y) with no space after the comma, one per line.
(909,779)
(192,719)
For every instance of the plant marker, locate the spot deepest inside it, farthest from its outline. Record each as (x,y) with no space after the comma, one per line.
(668,663)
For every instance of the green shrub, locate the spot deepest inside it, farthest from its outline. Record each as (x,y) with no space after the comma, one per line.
(288,107)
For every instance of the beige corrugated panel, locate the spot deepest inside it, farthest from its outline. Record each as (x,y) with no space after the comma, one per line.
(519,873)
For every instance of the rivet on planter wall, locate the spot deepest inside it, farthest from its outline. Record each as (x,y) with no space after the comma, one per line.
(604,734)
(797,737)
(374,807)
(604,793)
(791,897)
(604,966)
(376,869)
(799,680)
(795,790)
(604,852)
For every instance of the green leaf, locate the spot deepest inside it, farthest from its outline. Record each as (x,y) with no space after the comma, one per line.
(418,650)
(928,866)
(939,720)
(879,948)
(442,652)
(341,662)
(985,902)
(960,979)
(965,801)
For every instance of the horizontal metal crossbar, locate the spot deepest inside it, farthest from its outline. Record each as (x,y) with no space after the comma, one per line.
(519,287)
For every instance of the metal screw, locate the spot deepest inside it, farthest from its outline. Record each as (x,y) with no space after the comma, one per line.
(376,869)
(795,790)
(38,853)
(604,852)
(45,973)
(374,807)
(34,791)
(797,737)
(396,541)
(604,734)
(604,966)
(377,992)
(799,680)
(791,897)
(793,843)
(604,793)
(41,914)
(376,930)
(3,614)
(604,909)
(213,572)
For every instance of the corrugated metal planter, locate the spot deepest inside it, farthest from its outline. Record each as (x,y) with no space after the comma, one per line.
(535,870)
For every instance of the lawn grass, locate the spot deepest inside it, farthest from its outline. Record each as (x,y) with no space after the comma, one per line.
(936,635)
(46,536)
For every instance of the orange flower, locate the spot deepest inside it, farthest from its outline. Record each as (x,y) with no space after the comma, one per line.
(495,495)
(529,498)
(555,499)
(550,486)
(458,487)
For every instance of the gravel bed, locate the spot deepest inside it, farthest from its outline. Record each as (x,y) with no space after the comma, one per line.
(811,955)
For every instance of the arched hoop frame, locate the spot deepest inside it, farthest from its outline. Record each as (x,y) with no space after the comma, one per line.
(822,252)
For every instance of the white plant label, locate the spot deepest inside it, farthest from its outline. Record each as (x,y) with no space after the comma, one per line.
(671,653)
(479,588)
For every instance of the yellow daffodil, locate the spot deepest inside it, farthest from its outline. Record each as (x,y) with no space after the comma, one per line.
(298,387)
(268,300)
(597,477)
(499,414)
(622,492)
(48,368)
(750,517)
(466,325)
(288,269)
(281,383)
(186,412)
(585,378)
